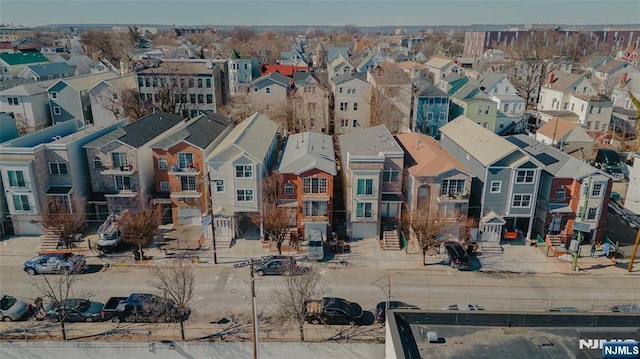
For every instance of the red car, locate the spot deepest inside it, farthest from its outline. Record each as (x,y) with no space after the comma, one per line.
(510,233)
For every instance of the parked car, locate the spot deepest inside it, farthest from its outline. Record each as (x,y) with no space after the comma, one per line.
(626,308)
(51,263)
(329,310)
(381,309)
(276,265)
(458,257)
(12,309)
(510,233)
(567,310)
(142,307)
(463,307)
(76,310)
(315,246)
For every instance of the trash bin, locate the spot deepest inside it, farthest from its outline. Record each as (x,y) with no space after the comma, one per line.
(136,255)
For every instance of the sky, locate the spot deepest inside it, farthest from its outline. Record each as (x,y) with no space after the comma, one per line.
(319,12)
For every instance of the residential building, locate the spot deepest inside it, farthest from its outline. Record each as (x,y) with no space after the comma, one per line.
(339,65)
(624,115)
(14,34)
(180,171)
(286,70)
(69,98)
(29,104)
(566,136)
(439,67)
(414,70)
(109,97)
(243,69)
(501,91)
(369,62)
(310,101)
(482,111)
(121,165)
(611,72)
(632,199)
(505,179)
(569,190)
(12,64)
(48,71)
(187,87)
(47,170)
(8,127)
(352,102)
(430,111)
(391,96)
(371,164)
(306,171)
(594,111)
(270,92)
(238,166)
(437,184)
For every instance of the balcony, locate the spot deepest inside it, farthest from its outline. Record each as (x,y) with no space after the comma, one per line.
(454,197)
(184,171)
(118,170)
(126,191)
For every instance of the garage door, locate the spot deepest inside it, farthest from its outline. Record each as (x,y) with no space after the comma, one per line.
(188,215)
(364,230)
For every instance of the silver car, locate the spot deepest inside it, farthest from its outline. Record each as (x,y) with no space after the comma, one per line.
(12,309)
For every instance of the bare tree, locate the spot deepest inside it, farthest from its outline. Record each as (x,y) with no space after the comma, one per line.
(350,29)
(391,90)
(427,229)
(295,291)
(239,108)
(65,220)
(169,88)
(274,220)
(242,33)
(102,42)
(139,228)
(176,282)
(58,291)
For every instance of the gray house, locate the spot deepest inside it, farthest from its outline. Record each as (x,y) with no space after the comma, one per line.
(50,71)
(505,184)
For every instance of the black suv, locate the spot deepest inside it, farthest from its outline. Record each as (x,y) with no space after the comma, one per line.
(458,257)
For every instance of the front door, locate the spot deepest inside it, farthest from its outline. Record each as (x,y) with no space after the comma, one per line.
(491,232)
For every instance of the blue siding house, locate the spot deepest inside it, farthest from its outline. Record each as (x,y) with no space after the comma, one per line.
(431,111)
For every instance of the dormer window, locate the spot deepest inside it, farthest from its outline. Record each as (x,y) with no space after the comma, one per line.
(288,189)
(561,194)
(54,95)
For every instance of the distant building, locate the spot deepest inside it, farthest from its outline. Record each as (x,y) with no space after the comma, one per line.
(15,33)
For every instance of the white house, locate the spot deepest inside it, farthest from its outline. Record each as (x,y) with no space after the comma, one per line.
(500,90)
(352,96)
(29,104)
(107,98)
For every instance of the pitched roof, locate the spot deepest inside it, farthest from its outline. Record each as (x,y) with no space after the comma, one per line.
(51,69)
(611,65)
(556,128)
(141,131)
(176,67)
(23,58)
(275,77)
(479,142)
(286,70)
(439,62)
(431,91)
(253,136)
(430,159)
(301,78)
(563,81)
(123,82)
(595,61)
(557,163)
(347,77)
(28,89)
(333,51)
(308,150)
(369,141)
(411,65)
(86,82)
(203,130)
(489,79)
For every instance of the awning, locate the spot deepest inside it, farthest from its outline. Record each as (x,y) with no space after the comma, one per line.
(391,197)
(493,217)
(58,190)
(560,208)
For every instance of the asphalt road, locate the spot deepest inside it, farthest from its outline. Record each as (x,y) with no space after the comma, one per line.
(224,291)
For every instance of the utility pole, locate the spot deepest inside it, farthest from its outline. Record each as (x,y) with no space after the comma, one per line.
(635,250)
(213,226)
(585,207)
(254,320)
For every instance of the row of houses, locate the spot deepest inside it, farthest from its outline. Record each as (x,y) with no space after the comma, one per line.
(209,164)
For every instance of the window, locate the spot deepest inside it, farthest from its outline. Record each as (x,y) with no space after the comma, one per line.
(13,101)
(199,83)
(207,83)
(154,82)
(267,90)
(340,89)
(188,183)
(58,168)
(140,82)
(451,187)
(123,183)
(162,163)
(597,190)
(97,163)
(192,98)
(343,106)
(54,95)
(561,194)
(496,186)
(209,98)
(164,186)
(21,202)
(288,189)
(56,110)
(344,122)
(524,176)
(244,171)
(183,98)
(191,82)
(246,67)
(390,175)
(351,91)
(244,195)
(255,89)
(314,208)
(431,100)
(315,185)
(200,98)
(185,160)
(355,123)
(99,186)
(182,82)
(16,179)
(521,200)
(364,210)
(365,186)
(119,159)
(592,213)
(219,185)
(355,106)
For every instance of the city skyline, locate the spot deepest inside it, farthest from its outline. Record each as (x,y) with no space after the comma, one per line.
(313,12)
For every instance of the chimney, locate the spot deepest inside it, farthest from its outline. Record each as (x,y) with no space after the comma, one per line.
(550,80)
(623,79)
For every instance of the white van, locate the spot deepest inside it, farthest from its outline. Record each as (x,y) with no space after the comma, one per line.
(315,245)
